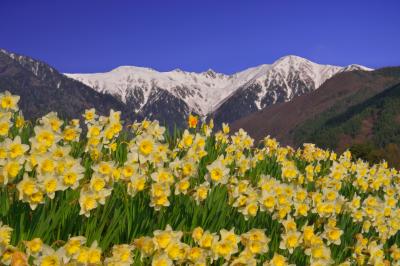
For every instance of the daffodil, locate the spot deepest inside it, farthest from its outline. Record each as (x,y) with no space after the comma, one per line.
(5,234)
(5,125)
(145,245)
(122,254)
(201,192)
(218,173)
(182,186)
(87,202)
(34,246)
(277,260)
(290,241)
(90,115)
(159,195)
(136,184)
(192,121)
(9,101)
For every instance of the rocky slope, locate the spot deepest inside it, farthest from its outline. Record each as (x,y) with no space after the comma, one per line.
(43,89)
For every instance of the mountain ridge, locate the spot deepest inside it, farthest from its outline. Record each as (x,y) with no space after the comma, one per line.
(205,92)
(43,89)
(290,121)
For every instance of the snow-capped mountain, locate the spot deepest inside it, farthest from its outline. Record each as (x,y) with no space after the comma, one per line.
(135,85)
(286,78)
(146,90)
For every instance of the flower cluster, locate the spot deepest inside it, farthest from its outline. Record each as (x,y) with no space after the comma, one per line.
(166,247)
(314,196)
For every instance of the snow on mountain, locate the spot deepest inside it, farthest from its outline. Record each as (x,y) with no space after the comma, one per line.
(206,91)
(201,91)
(285,73)
(355,67)
(286,78)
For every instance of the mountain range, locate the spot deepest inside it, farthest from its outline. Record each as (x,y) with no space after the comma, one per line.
(167,96)
(226,98)
(293,99)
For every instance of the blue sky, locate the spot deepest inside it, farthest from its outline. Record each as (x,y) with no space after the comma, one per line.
(227,36)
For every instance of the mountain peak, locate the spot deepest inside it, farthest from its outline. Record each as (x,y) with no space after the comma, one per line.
(210,73)
(353,67)
(290,60)
(178,70)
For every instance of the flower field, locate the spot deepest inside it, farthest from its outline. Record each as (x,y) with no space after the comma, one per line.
(105,193)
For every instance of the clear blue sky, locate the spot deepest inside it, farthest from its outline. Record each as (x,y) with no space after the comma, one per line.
(225,35)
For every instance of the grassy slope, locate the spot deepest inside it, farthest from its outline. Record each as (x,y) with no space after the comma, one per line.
(309,112)
(367,127)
